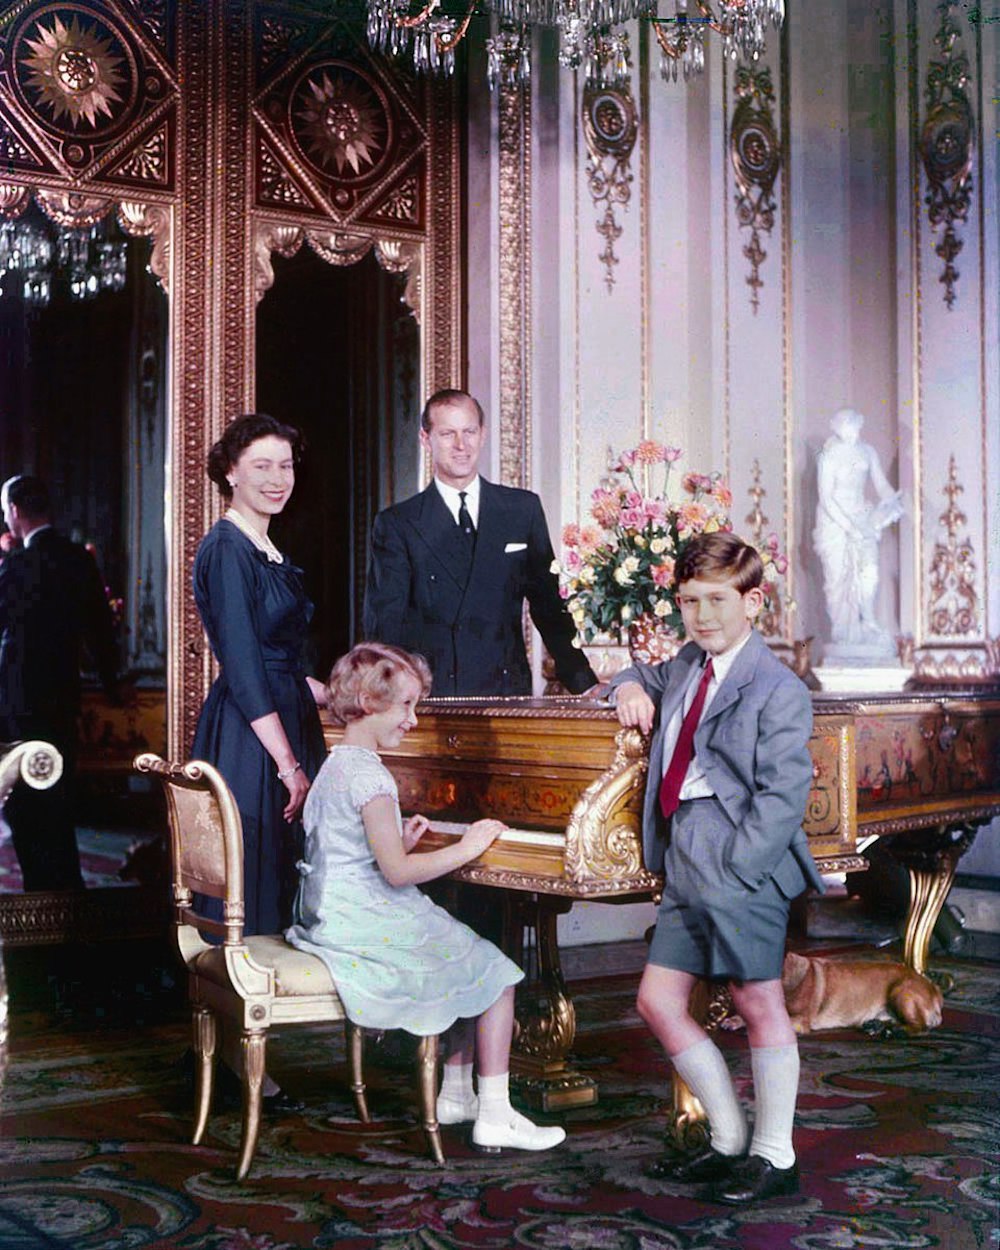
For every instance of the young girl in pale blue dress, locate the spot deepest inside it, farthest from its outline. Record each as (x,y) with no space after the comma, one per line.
(397,959)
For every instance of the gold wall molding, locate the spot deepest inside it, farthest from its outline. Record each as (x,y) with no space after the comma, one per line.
(514,249)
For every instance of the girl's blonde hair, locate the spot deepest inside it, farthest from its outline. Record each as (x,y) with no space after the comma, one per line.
(365,680)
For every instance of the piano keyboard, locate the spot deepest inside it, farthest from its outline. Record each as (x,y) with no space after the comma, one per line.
(512,837)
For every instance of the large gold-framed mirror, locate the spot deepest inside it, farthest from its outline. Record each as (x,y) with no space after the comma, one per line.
(192,125)
(88,205)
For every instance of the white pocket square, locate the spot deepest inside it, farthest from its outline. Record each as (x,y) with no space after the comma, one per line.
(514,547)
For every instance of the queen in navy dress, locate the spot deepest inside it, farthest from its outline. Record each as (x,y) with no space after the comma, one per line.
(260,725)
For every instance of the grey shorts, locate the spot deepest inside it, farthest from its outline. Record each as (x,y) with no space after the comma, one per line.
(709,923)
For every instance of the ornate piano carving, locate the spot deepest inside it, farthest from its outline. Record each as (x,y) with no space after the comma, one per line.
(921,769)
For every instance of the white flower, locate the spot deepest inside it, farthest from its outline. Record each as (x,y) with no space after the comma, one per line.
(626,612)
(555,567)
(622,576)
(587,575)
(639,541)
(658,546)
(631,563)
(661,608)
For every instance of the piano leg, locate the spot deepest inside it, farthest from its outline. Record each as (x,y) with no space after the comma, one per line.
(931,858)
(546,1017)
(688,1127)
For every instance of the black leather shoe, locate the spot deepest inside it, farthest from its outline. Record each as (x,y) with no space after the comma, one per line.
(755,1179)
(229,1092)
(706,1165)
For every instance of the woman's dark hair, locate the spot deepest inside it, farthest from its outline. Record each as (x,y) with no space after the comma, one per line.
(237,437)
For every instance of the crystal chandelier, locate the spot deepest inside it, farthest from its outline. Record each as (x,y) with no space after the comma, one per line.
(588,39)
(87,258)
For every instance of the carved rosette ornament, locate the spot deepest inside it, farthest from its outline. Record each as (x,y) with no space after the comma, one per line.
(90,95)
(610,126)
(946,145)
(755,152)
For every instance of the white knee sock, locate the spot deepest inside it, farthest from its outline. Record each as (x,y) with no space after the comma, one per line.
(494,1097)
(703,1069)
(456,1082)
(775,1088)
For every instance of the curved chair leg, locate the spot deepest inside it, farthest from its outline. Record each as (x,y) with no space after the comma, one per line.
(203,1024)
(427,1054)
(253,1046)
(355,1057)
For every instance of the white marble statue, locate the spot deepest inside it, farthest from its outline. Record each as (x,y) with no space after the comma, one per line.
(847,533)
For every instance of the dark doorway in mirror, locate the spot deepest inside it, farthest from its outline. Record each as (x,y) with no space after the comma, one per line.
(338,355)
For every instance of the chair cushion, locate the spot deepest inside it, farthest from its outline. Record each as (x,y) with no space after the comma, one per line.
(295,972)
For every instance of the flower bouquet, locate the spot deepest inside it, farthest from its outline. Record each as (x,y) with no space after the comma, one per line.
(617,575)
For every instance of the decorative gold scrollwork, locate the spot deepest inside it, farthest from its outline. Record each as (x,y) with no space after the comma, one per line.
(150,220)
(946,146)
(610,126)
(603,839)
(755,152)
(954,602)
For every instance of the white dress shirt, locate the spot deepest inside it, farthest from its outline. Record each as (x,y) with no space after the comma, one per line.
(696,784)
(452,502)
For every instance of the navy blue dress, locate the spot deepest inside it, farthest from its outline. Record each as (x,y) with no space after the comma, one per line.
(255,614)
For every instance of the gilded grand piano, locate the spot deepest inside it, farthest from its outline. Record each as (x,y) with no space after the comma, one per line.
(922,770)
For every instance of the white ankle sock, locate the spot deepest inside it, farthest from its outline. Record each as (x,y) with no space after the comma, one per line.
(775,1089)
(494,1097)
(703,1069)
(456,1082)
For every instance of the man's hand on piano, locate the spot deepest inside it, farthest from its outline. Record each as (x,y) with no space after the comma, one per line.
(414,828)
(634,706)
(481,834)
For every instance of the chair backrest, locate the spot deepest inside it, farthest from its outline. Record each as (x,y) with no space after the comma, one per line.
(206,844)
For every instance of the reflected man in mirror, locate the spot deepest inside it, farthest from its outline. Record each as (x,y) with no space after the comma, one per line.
(52,604)
(451,568)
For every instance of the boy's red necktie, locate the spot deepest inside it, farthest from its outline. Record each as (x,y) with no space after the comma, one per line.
(673,778)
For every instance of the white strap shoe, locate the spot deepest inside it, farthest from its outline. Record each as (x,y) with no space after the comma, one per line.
(457,1110)
(516,1132)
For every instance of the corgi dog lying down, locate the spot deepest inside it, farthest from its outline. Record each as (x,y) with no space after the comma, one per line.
(848,993)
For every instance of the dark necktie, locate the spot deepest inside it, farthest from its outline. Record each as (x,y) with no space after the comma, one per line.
(680,761)
(464,519)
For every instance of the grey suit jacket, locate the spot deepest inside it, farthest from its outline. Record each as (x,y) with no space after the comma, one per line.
(752,744)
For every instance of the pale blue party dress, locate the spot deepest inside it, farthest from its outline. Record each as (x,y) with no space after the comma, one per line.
(398,960)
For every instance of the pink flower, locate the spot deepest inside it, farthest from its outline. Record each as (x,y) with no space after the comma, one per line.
(571,535)
(692,517)
(671,454)
(696,483)
(625,461)
(663,573)
(572,561)
(633,499)
(722,494)
(654,511)
(605,507)
(632,518)
(590,539)
(649,452)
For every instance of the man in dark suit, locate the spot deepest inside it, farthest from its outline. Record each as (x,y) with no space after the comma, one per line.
(451,568)
(52,601)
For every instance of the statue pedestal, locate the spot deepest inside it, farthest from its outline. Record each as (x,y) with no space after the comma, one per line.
(885,678)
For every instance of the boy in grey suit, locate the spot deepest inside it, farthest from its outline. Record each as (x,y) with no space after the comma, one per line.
(729,775)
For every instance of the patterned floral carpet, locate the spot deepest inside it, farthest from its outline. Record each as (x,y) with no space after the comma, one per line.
(898,1142)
